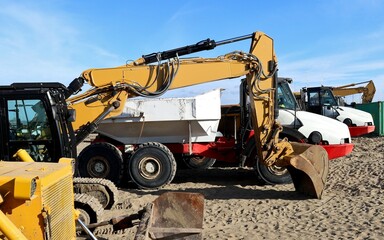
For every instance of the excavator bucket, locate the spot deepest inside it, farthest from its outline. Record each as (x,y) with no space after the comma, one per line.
(173,215)
(308,166)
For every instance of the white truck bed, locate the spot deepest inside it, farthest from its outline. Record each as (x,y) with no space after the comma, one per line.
(166,120)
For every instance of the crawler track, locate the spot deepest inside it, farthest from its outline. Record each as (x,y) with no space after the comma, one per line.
(103,190)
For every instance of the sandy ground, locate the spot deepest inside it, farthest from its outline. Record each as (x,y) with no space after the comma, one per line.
(352,206)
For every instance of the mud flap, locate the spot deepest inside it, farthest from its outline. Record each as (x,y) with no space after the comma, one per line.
(173,215)
(308,166)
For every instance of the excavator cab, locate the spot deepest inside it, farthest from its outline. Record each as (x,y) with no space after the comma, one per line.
(35,119)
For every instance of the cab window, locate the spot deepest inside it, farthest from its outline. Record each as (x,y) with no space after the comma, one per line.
(29,129)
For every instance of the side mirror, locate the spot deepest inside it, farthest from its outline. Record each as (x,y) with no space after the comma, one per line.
(71,115)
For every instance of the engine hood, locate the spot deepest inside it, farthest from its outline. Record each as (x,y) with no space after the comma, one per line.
(358,117)
(332,130)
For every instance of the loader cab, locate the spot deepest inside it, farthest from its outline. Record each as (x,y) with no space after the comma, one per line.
(321,100)
(285,97)
(34,118)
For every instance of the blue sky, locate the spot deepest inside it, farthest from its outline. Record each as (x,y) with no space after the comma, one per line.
(329,42)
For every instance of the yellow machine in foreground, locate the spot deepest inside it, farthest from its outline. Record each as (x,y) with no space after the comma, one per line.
(37,200)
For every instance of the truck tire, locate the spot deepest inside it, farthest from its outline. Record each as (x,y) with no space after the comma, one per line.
(152,165)
(273,174)
(199,162)
(348,122)
(101,160)
(279,175)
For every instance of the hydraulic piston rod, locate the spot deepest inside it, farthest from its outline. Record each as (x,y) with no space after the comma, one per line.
(207,44)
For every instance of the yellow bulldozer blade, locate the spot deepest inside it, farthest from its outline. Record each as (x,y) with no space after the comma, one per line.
(173,215)
(308,166)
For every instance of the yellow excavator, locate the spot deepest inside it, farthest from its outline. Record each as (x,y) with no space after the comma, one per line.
(70,116)
(368,91)
(148,76)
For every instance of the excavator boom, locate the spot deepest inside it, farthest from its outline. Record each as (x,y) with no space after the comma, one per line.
(154,74)
(368,91)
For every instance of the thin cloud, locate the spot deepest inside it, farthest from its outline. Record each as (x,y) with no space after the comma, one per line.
(42,45)
(338,68)
(52,42)
(187,9)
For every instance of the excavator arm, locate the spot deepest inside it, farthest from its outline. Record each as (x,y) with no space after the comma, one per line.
(368,91)
(154,74)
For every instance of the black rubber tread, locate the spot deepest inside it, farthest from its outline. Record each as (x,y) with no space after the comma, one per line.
(263,175)
(81,184)
(348,122)
(106,150)
(152,185)
(268,177)
(91,205)
(204,164)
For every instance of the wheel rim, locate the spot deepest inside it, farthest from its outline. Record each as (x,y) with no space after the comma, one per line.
(149,168)
(198,160)
(279,171)
(98,167)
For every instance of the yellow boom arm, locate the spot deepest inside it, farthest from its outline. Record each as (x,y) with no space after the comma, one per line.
(368,91)
(113,86)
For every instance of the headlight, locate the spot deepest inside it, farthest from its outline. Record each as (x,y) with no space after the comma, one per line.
(344,140)
(24,187)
